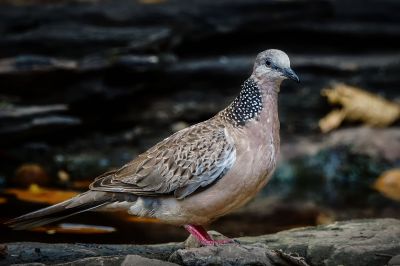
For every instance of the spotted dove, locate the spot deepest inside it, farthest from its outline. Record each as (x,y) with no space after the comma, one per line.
(199,173)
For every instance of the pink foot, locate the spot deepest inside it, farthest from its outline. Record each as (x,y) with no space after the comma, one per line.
(204,238)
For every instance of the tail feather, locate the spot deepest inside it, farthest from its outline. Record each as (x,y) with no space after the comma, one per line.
(84,202)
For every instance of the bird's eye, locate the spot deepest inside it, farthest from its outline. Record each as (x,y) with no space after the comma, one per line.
(268,62)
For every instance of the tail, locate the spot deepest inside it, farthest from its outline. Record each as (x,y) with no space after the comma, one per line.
(83,202)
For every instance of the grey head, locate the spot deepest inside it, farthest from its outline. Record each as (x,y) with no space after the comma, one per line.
(273,65)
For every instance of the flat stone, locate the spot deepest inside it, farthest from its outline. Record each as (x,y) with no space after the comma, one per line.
(95,261)
(394,261)
(369,242)
(139,260)
(356,243)
(230,254)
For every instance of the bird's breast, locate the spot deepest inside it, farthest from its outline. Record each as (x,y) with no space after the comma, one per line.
(256,153)
(258,149)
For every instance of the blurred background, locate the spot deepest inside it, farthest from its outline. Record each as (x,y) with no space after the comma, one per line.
(87,85)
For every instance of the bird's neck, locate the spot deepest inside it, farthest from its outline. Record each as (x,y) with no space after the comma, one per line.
(255,100)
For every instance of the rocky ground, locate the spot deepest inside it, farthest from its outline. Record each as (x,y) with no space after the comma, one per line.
(373,242)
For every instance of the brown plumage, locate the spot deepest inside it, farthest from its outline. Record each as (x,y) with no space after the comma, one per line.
(199,173)
(191,158)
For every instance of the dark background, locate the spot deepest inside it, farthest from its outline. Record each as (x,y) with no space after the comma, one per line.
(87,85)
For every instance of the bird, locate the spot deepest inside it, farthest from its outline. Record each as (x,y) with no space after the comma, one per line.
(199,173)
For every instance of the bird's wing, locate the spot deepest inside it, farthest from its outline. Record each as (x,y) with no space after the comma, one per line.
(192,158)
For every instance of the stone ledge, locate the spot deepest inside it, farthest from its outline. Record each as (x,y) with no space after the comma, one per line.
(358,242)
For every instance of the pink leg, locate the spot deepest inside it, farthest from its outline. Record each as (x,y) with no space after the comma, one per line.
(203,237)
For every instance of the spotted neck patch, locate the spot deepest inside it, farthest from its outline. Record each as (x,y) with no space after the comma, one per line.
(246,106)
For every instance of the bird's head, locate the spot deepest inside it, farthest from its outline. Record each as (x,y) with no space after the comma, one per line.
(273,65)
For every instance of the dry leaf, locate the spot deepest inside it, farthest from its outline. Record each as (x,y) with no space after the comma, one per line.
(332,120)
(358,105)
(67,228)
(389,184)
(41,195)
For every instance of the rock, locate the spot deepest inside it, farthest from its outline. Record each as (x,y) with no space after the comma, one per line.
(94,261)
(23,121)
(343,243)
(234,254)
(395,261)
(360,242)
(9,112)
(28,252)
(138,260)
(371,142)
(30,264)
(128,260)
(368,141)
(34,64)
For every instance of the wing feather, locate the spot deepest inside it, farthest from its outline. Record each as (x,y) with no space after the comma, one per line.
(188,160)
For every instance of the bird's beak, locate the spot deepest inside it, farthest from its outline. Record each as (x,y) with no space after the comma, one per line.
(289,73)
